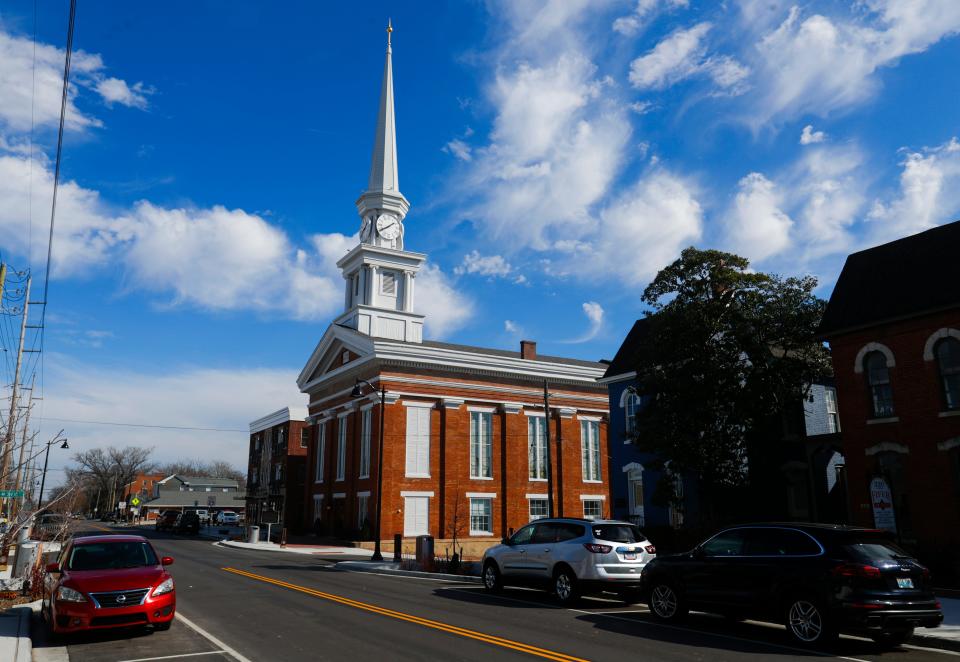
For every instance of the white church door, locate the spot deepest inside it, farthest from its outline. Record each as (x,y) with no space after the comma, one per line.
(415,516)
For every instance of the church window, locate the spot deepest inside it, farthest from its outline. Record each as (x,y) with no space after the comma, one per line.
(537,447)
(590,450)
(878,382)
(481,445)
(947,352)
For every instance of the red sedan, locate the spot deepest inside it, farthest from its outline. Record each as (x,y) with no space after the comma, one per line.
(108,581)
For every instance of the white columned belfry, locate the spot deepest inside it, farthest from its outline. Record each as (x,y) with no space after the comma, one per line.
(381,303)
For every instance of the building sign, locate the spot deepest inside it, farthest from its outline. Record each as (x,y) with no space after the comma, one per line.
(882,500)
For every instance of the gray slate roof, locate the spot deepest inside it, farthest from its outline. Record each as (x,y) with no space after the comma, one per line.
(177,499)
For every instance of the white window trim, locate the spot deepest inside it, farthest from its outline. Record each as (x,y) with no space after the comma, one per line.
(477,410)
(593,497)
(534,413)
(481,478)
(339,495)
(593,481)
(429,443)
(409,493)
(341,474)
(365,493)
(368,406)
(536,480)
(321,464)
(482,410)
(419,403)
(478,495)
(592,419)
(538,496)
(481,495)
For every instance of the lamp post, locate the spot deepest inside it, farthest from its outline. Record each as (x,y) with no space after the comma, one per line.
(356,393)
(43,481)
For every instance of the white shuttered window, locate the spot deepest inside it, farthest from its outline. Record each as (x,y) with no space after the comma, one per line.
(481,444)
(341,448)
(366,418)
(418,442)
(590,449)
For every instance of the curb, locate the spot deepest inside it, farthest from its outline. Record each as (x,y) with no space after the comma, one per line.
(392,569)
(266,548)
(23,646)
(933,641)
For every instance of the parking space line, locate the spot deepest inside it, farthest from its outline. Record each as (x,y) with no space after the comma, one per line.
(212,639)
(436,625)
(172,657)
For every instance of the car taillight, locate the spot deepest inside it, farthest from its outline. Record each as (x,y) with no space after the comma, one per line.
(598,549)
(856,570)
(651,549)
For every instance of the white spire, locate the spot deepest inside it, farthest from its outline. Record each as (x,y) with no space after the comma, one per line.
(384,175)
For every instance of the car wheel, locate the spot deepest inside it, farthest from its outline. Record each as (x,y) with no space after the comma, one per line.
(892,638)
(160,627)
(565,586)
(492,581)
(807,624)
(666,604)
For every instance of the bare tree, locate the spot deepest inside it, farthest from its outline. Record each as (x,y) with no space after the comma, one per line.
(215,469)
(112,468)
(457,525)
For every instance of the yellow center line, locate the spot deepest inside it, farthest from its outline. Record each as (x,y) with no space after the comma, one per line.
(436,625)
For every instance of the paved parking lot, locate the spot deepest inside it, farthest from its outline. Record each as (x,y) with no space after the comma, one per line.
(132,645)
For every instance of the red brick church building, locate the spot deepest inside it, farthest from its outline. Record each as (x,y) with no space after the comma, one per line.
(465,447)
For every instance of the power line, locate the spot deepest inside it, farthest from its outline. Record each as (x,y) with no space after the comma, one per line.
(145,425)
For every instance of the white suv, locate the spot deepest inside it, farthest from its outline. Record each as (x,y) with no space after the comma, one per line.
(571,557)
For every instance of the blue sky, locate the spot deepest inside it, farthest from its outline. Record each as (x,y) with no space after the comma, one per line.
(556,155)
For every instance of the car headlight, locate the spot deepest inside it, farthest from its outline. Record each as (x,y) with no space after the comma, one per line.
(164,587)
(67,594)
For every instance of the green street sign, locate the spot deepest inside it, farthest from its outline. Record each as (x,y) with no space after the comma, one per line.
(14,494)
(135,501)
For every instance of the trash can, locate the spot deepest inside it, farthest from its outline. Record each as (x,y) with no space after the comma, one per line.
(424,549)
(254,534)
(25,558)
(24,534)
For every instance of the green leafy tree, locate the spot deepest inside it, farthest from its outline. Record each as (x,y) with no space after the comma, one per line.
(727,350)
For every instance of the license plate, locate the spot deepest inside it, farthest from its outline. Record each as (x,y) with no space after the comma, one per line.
(904,582)
(630,556)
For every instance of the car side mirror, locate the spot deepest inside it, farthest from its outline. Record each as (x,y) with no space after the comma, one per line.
(166,560)
(53,567)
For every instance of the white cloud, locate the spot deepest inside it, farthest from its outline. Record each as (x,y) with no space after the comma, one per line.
(643,12)
(755,226)
(458,149)
(512,328)
(19,92)
(186,396)
(929,194)
(820,64)
(682,55)
(808,136)
(447,309)
(114,90)
(640,232)
(484,265)
(594,313)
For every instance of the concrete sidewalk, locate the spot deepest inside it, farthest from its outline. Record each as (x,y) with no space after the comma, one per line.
(15,644)
(324,550)
(948,634)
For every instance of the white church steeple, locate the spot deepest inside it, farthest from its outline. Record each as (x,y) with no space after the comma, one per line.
(382,207)
(379,273)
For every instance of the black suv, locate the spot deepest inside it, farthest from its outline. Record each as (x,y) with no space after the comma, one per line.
(188,522)
(818,579)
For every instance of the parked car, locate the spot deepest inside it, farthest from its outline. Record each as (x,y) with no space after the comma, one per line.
(571,557)
(226,518)
(817,579)
(108,581)
(187,522)
(51,526)
(204,516)
(166,520)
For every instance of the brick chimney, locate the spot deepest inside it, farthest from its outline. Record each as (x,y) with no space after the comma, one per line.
(528,350)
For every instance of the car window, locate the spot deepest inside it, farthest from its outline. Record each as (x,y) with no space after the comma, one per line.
(522,537)
(111,556)
(544,532)
(727,543)
(617,533)
(779,542)
(872,548)
(568,531)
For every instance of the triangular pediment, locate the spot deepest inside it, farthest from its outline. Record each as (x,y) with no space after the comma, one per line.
(328,356)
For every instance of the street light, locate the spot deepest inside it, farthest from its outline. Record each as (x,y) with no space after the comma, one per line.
(43,481)
(357,392)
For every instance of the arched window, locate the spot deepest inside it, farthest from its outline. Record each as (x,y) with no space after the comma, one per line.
(947,352)
(631,402)
(878,384)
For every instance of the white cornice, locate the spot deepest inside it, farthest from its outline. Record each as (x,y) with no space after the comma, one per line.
(278,417)
(622,377)
(536,393)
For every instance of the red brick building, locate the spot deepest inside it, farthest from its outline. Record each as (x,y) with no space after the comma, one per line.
(893,324)
(276,469)
(465,447)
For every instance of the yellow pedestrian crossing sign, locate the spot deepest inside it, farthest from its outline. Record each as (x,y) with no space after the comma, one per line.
(135,501)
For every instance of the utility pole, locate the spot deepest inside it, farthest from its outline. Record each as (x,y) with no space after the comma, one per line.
(23,447)
(546,430)
(12,419)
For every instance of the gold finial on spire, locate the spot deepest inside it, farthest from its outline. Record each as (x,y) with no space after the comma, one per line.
(389,30)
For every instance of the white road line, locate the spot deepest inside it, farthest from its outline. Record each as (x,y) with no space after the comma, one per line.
(171,657)
(216,642)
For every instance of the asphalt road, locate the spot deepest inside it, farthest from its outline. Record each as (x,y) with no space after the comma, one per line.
(265,606)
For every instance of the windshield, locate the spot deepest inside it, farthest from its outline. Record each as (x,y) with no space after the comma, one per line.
(111,556)
(617,533)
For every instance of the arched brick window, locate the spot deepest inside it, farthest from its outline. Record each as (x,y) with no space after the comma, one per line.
(947,353)
(878,384)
